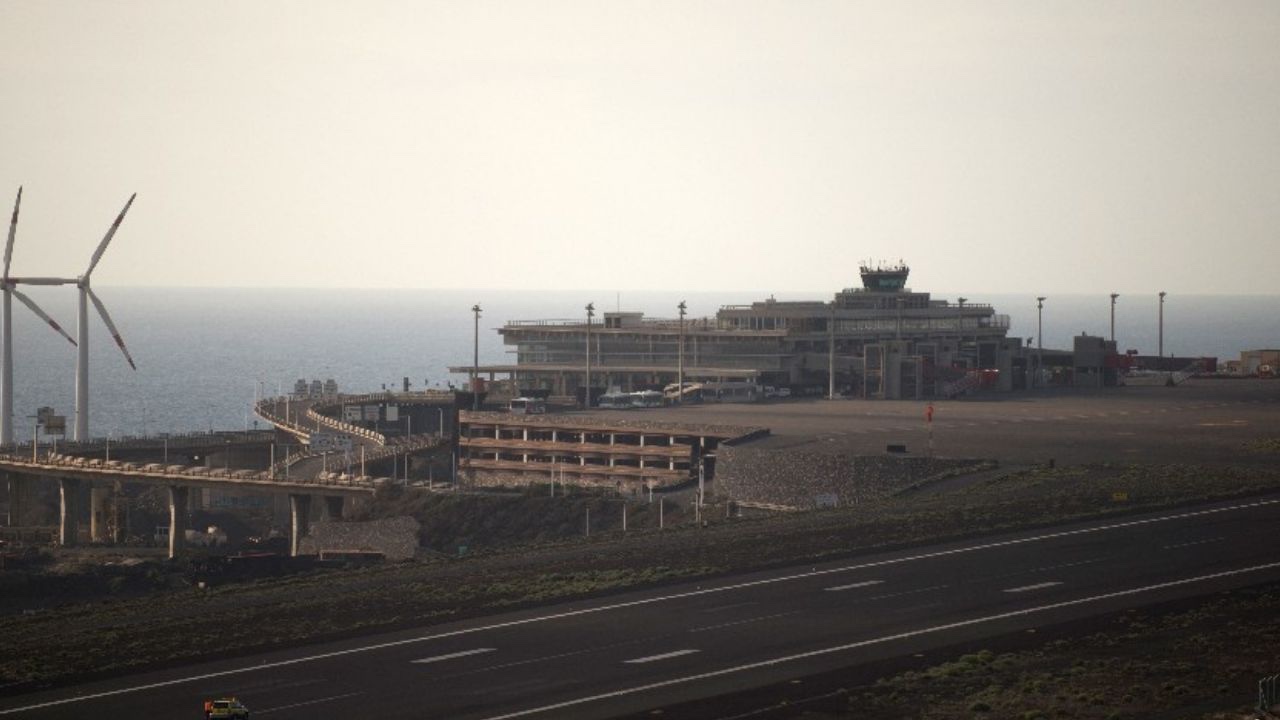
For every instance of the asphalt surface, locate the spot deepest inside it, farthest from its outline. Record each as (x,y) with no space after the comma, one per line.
(1201,422)
(632,652)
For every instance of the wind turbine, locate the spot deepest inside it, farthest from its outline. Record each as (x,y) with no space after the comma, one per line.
(6,334)
(82,329)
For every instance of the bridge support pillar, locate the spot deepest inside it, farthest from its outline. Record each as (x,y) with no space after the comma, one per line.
(68,511)
(99,513)
(333,505)
(299,520)
(177,519)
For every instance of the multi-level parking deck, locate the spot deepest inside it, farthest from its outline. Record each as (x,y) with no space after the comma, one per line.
(502,449)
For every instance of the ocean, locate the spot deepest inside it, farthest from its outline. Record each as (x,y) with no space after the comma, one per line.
(203,354)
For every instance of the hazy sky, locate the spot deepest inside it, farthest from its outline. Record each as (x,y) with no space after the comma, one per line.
(995,146)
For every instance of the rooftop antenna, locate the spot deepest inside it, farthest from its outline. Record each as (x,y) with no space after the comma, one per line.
(9,285)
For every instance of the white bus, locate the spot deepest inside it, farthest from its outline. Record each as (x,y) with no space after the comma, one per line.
(528,406)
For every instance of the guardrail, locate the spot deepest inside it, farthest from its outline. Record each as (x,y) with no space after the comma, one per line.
(161,471)
(127,442)
(395,447)
(345,427)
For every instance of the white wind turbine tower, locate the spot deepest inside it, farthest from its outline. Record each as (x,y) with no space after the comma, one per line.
(82,329)
(6,334)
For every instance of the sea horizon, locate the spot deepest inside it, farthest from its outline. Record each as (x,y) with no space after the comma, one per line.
(203,354)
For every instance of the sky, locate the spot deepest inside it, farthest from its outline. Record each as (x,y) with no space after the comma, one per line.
(998,147)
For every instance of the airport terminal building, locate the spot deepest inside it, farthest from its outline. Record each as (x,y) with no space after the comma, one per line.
(880,340)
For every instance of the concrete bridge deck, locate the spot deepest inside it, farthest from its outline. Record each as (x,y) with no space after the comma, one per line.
(332,476)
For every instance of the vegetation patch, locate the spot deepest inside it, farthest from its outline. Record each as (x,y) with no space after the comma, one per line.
(511,553)
(1202,662)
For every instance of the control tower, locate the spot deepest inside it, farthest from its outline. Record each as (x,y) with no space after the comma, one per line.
(891,278)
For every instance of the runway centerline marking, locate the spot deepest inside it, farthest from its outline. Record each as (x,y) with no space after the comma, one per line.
(903,593)
(1193,542)
(851,586)
(307,702)
(530,661)
(873,641)
(643,601)
(1037,586)
(1078,563)
(730,606)
(663,656)
(451,656)
(748,621)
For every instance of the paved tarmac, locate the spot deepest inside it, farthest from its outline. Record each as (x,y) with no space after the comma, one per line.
(1202,421)
(631,652)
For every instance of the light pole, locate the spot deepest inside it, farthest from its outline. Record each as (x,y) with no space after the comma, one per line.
(591,312)
(1162,294)
(475,360)
(1113,315)
(831,353)
(1039,336)
(680,364)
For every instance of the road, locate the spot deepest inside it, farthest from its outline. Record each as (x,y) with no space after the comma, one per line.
(630,652)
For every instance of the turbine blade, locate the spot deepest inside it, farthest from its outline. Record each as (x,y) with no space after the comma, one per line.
(43,281)
(102,246)
(42,315)
(13,230)
(115,334)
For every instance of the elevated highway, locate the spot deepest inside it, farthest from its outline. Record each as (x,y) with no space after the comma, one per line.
(105,464)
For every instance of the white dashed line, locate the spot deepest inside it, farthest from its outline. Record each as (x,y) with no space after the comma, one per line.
(663,656)
(552,616)
(851,586)
(748,621)
(685,679)
(451,656)
(308,702)
(1194,542)
(1037,586)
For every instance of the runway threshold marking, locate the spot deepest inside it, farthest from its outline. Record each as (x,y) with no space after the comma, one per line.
(451,656)
(874,641)
(851,586)
(1037,586)
(258,668)
(317,701)
(663,656)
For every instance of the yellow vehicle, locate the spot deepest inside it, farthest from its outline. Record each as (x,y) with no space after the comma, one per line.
(225,708)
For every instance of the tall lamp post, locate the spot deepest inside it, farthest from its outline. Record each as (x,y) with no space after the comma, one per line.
(1162,294)
(586,398)
(475,360)
(680,360)
(831,353)
(1039,337)
(1113,315)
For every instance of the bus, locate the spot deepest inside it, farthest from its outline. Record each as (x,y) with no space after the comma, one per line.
(528,406)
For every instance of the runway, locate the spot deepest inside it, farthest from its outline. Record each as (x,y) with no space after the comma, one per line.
(629,652)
